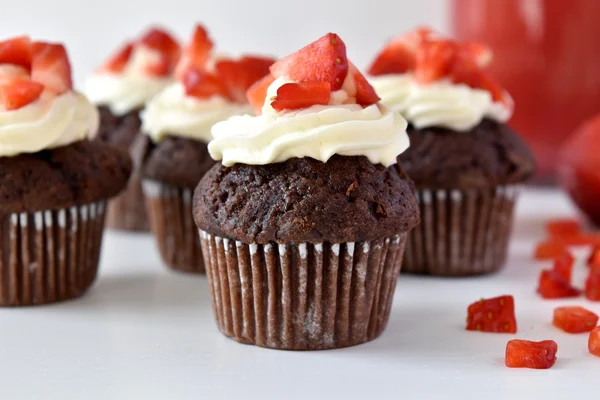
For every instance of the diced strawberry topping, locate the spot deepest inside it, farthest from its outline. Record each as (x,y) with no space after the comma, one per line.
(399,56)
(492,315)
(526,354)
(19,93)
(563,265)
(50,66)
(563,227)
(549,250)
(118,61)
(574,319)
(321,61)
(592,284)
(553,285)
(594,342)
(434,60)
(257,93)
(17,51)
(466,71)
(365,93)
(196,53)
(480,53)
(239,75)
(202,84)
(165,45)
(593,260)
(293,96)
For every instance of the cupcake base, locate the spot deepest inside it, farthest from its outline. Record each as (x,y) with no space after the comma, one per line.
(170,213)
(127,211)
(302,296)
(462,232)
(49,256)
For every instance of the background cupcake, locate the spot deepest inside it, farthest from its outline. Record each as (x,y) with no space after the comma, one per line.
(54,182)
(178,122)
(133,75)
(304,224)
(467,164)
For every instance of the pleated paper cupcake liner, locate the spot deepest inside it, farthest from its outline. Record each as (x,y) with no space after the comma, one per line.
(462,232)
(49,256)
(302,296)
(170,212)
(127,211)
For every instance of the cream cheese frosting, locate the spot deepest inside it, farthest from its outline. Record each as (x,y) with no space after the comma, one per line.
(440,103)
(130,89)
(318,132)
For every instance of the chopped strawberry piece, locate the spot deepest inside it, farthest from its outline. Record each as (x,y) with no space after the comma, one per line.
(593,260)
(399,55)
(549,250)
(480,53)
(17,51)
(238,76)
(581,239)
(321,61)
(257,93)
(165,45)
(50,66)
(365,93)
(592,284)
(574,319)
(434,60)
(563,265)
(526,354)
(465,70)
(594,342)
(293,96)
(553,285)
(563,227)
(196,53)
(202,85)
(118,61)
(493,315)
(19,93)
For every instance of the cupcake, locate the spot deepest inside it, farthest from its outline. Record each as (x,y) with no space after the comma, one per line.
(54,181)
(467,164)
(121,87)
(304,222)
(176,125)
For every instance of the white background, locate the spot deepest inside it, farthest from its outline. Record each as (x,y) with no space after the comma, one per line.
(93,28)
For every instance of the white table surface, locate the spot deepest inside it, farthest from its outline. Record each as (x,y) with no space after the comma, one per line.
(145,333)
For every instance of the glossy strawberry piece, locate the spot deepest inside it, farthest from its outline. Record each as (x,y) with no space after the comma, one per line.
(492,315)
(466,71)
(549,250)
(563,227)
(202,84)
(365,93)
(19,93)
(165,45)
(294,96)
(434,60)
(593,260)
(257,93)
(594,342)
(399,55)
(17,51)
(553,285)
(117,62)
(526,354)
(480,53)
(321,61)
(563,265)
(592,284)
(239,75)
(196,54)
(574,319)
(50,66)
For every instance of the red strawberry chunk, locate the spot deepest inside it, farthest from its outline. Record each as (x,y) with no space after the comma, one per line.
(549,250)
(165,45)
(202,84)
(321,61)
(526,354)
(365,93)
(553,285)
(492,315)
(594,342)
(466,71)
(563,227)
(117,62)
(17,51)
(294,96)
(196,53)
(593,260)
(480,53)
(434,60)
(592,284)
(397,58)
(50,66)
(563,265)
(239,75)
(257,93)
(574,319)
(19,93)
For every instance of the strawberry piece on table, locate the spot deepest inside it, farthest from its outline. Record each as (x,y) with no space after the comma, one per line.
(553,285)
(564,265)
(592,284)
(365,93)
(19,93)
(117,62)
(165,45)
(492,315)
(239,75)
(594,342)
(17,51)
(196,53)
(321,61)
(433,60)
(50,66)
(593,260)
(549,250)
(257,93)
(202,85)
(563,227)
(526,354)
(574,319)
(293,96)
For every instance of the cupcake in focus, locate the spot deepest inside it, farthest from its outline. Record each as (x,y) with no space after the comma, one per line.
(304,222)
(467,164)
(178,122)
(54,181)
(136,72)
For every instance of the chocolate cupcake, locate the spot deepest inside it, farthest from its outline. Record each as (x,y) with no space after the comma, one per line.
(467,164)
(178,122)
(304,223)
(121,87)
(54,181)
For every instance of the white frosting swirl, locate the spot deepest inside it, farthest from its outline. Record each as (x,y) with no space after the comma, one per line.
(130,89)
(171,112)
(440,104)
(318,132)
(47,123)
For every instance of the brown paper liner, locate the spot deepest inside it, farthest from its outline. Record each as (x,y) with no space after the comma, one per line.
(49,256)
(127,211)
(302,296)
(170,213)
(462,232)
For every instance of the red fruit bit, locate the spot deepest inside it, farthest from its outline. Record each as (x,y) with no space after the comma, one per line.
(434,60)
(196,53)
(552,285)
(592,284)
(365,93)
(465,70)
(19,93)
(563,227)
(574,319)
(594,342)
(257,93)
(321,61)
(50,66)
(399,56)
(492,315)
(117,62)
(239,75)
(168,48)
(563,265)
(294,96)
(17,51)
(526,354)
(593,260)
(549,250)
(202,85)
(480,53)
